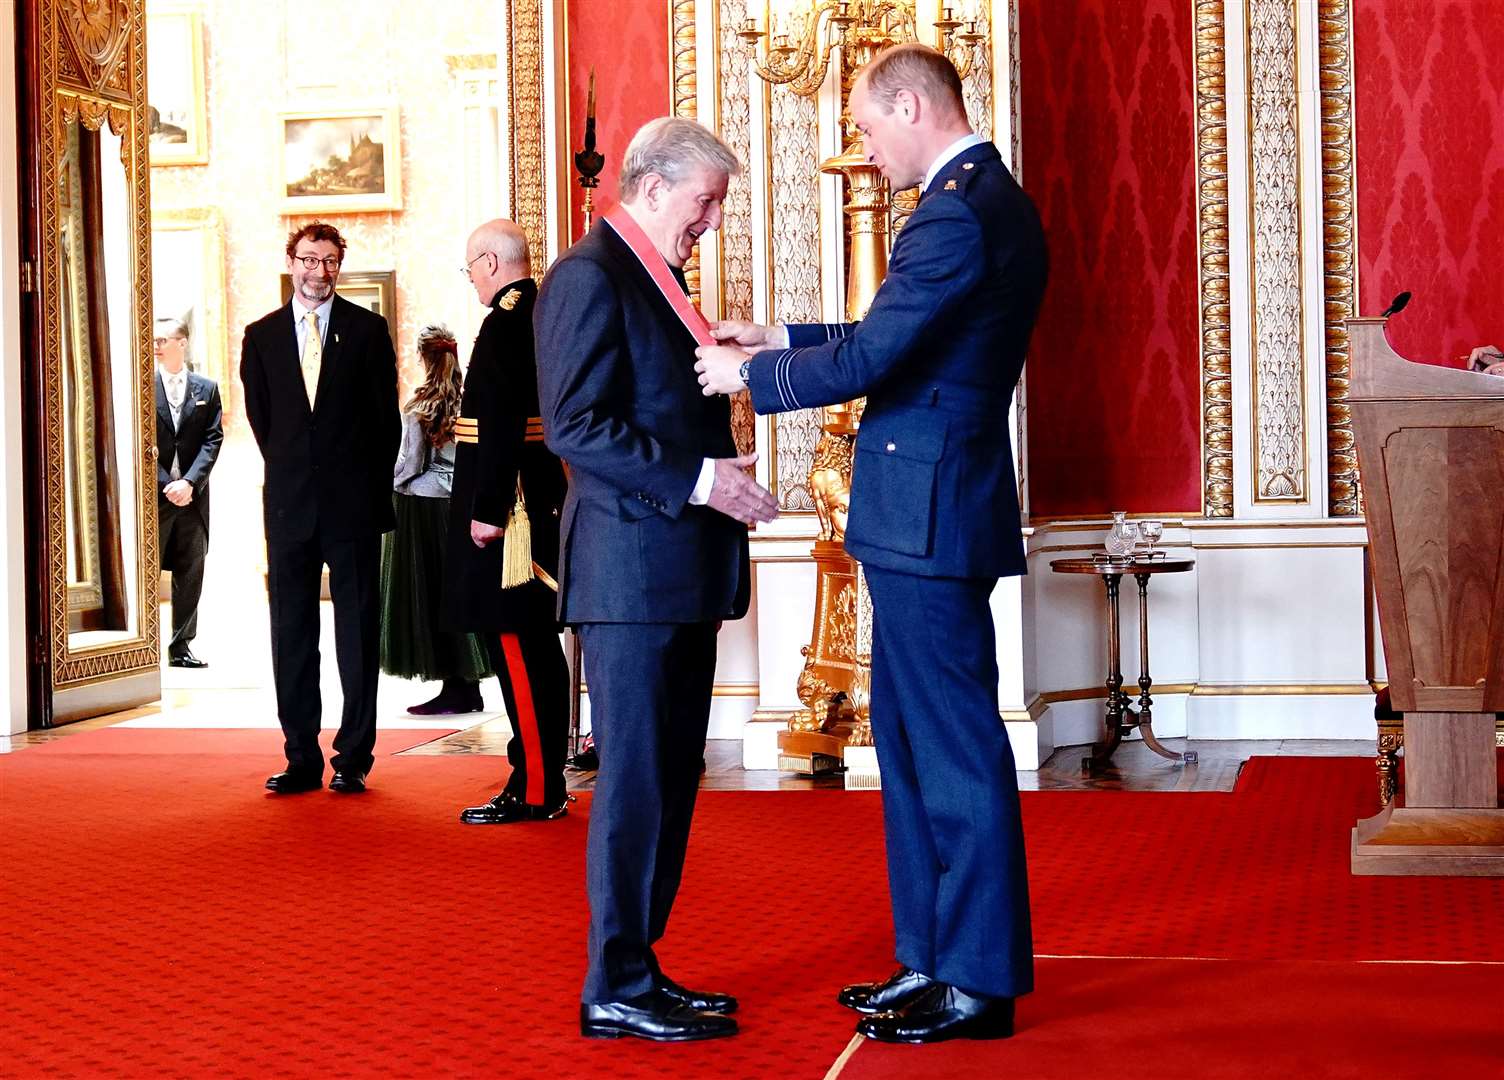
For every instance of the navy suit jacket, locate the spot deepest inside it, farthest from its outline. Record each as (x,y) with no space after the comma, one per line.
(196,440)
(621,404)
(938,356)
(328,468)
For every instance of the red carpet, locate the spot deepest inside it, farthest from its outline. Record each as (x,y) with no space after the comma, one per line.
(164,917)
(254,741)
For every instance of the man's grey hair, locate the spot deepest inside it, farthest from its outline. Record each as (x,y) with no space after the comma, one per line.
(673,148)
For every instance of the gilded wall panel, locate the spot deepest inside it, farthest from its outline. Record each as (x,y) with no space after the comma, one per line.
(1211,209)
(1278,422)
(1339,216)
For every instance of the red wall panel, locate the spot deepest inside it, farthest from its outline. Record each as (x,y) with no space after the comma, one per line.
(626,42)
(1429,86)
(1108,146)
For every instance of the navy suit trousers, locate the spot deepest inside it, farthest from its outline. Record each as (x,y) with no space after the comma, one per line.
(650,687)
(950,796)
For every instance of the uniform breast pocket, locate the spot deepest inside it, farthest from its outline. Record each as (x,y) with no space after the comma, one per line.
(893,489)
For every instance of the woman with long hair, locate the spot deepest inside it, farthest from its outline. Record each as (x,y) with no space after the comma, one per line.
(414,645)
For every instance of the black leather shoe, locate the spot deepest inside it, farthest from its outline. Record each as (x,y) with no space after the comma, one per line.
(698,1000)
(890,995)
(185,659)
(654,1016)
(347,783)
(293,782)
(942,1012)
(507,809)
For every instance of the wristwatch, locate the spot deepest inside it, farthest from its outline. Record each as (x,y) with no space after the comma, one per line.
(745,372)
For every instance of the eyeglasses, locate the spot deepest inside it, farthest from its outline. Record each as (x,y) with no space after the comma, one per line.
(465,270)
(313,262)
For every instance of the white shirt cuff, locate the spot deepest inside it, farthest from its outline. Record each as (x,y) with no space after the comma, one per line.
(701,494)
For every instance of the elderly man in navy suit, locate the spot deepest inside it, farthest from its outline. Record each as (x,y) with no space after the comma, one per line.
(935,522)
(653,554)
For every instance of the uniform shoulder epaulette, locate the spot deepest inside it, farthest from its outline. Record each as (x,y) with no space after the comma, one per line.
(509,301)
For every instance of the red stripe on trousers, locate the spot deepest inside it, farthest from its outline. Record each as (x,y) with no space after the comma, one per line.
(526,720)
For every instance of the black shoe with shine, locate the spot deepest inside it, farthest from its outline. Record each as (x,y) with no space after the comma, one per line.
(655,1016)
(699,1000)
(294,782)
(347,782)
(942,1012)
(506,809)
(184,659)
(893,993)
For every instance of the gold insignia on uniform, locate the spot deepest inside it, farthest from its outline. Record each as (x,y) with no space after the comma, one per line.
(509,301)
(950,185)
(969,165)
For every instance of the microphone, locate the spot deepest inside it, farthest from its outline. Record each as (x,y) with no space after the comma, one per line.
(1396,305)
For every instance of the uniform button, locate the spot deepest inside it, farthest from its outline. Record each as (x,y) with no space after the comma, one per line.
(892,447)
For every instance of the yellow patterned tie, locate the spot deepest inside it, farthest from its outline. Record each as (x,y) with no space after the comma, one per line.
(313,356)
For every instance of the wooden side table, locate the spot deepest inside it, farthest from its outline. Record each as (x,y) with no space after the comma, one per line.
(1120,717)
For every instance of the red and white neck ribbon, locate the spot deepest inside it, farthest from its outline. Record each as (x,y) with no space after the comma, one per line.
(652,260)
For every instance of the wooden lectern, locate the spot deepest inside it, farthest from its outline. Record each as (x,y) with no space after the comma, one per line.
(1431,457)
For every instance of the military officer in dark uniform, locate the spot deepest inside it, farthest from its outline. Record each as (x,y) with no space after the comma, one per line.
(935,522)
(505,480)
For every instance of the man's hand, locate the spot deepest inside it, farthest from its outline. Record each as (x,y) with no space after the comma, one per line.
(179,492)
(750,335)
(737,495)
(1487,359)
(720,368)
(482,534)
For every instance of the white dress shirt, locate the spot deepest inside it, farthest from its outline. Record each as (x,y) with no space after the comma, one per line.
(300,320)
(960,146)
(176,388)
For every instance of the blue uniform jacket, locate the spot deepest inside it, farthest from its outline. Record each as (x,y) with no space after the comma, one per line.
(621,404)
(937,356)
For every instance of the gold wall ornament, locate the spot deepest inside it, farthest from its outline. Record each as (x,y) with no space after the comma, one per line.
(1215,299)
(1339,213)
(1277,394)
(91,75)
(528,151)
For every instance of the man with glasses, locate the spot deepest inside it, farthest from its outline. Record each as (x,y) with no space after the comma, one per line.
(320,380)
(189,434)
(502,472)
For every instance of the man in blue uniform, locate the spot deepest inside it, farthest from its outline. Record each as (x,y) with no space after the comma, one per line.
(935,522)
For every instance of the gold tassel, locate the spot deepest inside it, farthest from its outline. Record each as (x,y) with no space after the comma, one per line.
(517,546)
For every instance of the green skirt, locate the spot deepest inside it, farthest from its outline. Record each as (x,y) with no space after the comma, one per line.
(413,643)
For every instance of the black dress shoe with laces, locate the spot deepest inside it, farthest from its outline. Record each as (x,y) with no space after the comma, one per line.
(294,782)
(507,809)
(942,1012)
(655,1016)
(185,659)
(893,993)
(347,782)
(699,1000)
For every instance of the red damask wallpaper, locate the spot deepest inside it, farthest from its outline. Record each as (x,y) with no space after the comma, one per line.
(1108,146)
(1429,82)
(626,42)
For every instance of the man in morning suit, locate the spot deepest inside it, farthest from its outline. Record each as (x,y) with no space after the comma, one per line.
(654,555)
(189,435)
(320,379)
(501,445)
(934,521)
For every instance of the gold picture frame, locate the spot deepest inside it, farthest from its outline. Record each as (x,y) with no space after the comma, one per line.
(188,284)
(176,111)
(340,160)
(374,290)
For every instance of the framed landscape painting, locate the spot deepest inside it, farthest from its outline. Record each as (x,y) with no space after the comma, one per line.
(175,88)
(341,160)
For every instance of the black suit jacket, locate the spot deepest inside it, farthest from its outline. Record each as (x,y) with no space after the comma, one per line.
(196,442)
(501,396)
(328,469)
(621,404)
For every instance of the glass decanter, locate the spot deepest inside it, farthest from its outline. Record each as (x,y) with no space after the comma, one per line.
(1122,537)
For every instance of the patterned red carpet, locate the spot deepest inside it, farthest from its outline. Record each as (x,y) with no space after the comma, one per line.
(163,917)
